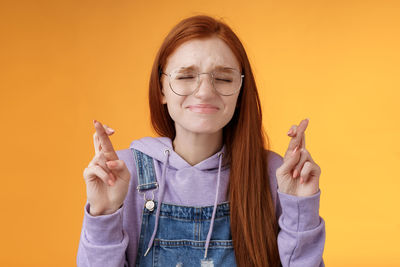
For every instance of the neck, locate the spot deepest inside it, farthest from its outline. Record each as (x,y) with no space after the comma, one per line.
(196,147)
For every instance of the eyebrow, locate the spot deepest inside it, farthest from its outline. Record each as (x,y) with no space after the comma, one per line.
(218,67)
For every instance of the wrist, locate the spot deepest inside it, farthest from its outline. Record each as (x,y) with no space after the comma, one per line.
(99,212)
(299,194)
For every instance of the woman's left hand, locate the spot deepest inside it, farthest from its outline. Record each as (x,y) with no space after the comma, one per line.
(299,174)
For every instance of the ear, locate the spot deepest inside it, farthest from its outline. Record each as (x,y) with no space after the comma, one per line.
(163,98)
(237,103)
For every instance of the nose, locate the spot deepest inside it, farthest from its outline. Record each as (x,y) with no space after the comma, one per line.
(205,88)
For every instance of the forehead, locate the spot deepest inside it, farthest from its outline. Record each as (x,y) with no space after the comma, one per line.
(203,55)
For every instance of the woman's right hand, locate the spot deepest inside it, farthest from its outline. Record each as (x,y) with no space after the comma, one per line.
(107,177)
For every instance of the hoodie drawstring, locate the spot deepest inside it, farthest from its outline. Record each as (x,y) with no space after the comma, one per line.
(160,198)
(215,207)
(161,195)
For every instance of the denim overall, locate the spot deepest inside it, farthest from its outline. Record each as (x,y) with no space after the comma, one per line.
(181,238)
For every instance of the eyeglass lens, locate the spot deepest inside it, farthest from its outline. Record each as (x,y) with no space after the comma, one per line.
(226,82)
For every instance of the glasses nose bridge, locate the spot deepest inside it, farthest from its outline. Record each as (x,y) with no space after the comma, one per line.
(211,78)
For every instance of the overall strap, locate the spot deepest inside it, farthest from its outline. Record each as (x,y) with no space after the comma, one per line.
(145,171)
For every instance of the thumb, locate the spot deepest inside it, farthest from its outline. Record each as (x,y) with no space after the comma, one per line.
(289,163)
(119,168)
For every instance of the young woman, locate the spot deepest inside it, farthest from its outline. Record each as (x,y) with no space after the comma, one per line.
(206,192)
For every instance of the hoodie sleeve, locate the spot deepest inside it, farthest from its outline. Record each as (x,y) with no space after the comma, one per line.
(301,237)
(103,240)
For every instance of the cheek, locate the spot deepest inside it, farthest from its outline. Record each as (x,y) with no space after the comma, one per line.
(230,107)
(174,105)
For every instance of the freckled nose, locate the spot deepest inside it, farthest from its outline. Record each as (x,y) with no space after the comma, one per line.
(205,86)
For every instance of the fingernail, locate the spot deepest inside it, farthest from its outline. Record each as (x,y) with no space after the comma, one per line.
(295,173)
(289,132)
(294,151)
(110,182)
(111,130)
(94,121)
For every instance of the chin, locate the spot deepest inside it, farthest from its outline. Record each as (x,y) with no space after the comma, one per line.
(201,128)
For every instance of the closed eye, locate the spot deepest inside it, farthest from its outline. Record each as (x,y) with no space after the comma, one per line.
(224,80)
(187,77)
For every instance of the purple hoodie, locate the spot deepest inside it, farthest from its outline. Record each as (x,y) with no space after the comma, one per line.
(112,240)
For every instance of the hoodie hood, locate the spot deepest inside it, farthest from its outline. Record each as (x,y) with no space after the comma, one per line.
(155,147)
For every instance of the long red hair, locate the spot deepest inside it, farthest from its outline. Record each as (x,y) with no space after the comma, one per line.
(254,226)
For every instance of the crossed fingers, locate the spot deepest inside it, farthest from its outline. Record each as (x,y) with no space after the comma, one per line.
(298,142)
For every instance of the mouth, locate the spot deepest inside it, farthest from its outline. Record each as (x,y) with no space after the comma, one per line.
(205,109)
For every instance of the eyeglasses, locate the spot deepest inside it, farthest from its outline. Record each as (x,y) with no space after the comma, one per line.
(225,81)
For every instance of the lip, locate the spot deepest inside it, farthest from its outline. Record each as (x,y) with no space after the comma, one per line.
(203,108)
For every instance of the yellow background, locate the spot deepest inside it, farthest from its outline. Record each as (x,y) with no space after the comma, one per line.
(65,63)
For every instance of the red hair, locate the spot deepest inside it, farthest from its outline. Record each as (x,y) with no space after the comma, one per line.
(254,226)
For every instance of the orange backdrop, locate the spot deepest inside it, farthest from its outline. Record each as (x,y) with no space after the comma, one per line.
(65,63)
